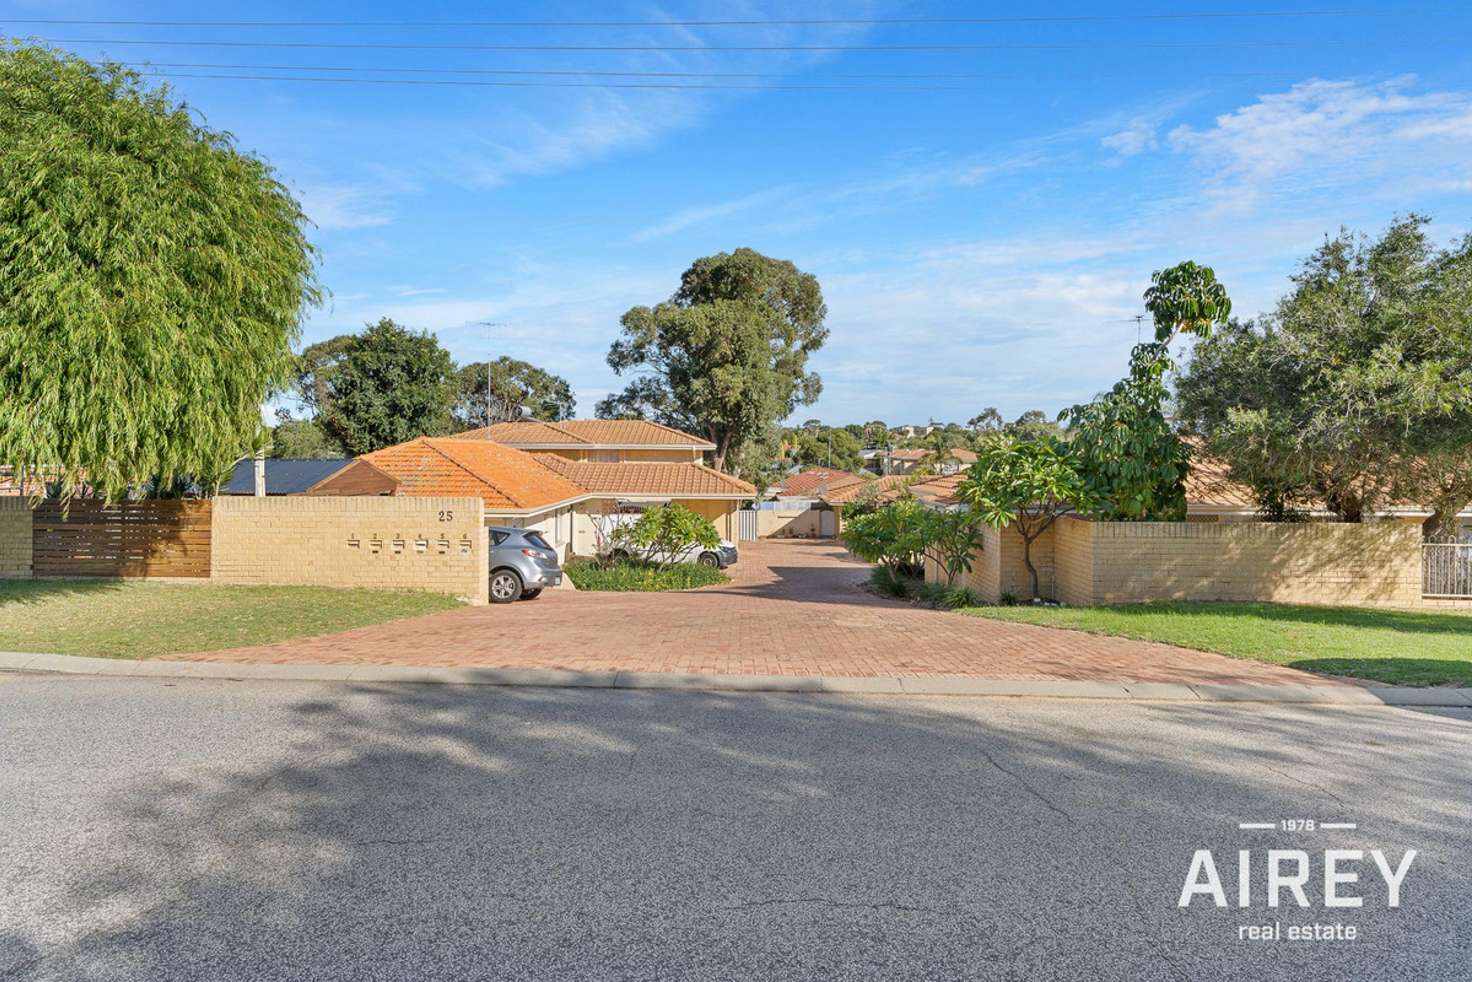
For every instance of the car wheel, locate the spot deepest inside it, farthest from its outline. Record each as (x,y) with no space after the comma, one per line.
(532,594)
(710,559)
(620,555)
(505,586)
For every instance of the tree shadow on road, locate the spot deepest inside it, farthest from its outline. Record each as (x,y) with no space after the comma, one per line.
(473,832)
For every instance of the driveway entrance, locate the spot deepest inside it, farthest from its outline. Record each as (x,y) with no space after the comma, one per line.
(791,608)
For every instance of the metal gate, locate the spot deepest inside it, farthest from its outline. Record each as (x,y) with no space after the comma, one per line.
(827,523)
(746,525)
(1446,569)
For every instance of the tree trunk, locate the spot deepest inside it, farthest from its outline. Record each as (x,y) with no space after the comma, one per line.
(1443,525)
(1032,571)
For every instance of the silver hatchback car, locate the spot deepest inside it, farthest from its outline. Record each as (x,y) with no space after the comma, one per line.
(522,565)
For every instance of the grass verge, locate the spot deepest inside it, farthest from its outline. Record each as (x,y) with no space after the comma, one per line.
(1391,646)
(137,619)
(588,574)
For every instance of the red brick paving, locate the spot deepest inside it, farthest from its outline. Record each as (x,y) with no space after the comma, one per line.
(792,608)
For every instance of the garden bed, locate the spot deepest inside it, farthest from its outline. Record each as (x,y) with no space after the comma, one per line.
(632,576)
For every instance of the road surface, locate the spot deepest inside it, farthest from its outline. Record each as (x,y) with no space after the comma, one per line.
(176,829)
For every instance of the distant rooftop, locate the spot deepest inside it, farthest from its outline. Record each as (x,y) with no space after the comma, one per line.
(284,475)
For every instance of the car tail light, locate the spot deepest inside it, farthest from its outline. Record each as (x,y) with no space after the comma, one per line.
(531,552)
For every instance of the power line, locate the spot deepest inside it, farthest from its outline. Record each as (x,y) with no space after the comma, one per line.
(999,46)
(539,85)
(752,22)
(598,73)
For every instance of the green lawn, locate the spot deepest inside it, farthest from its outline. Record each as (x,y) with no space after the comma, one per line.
(137,619)
(1398,647)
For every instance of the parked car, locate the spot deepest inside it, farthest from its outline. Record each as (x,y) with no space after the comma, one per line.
(720,557)
(523,564)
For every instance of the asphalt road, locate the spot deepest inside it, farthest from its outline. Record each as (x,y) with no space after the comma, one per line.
(156,830)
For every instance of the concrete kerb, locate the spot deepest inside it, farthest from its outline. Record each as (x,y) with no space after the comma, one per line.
(1122,690)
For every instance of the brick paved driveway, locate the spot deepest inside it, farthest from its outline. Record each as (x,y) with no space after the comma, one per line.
(792,608)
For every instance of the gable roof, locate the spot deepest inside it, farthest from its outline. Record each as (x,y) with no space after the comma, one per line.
(535,434)
(938,490)
(284,475)
(505,479)
(648,478)
(886,487)
(814,481)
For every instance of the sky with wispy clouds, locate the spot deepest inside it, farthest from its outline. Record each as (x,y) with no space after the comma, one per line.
(983,226)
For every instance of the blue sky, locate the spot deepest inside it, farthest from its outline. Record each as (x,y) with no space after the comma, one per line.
(982,237)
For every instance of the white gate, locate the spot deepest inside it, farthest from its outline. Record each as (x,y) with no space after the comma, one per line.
(827,523)
(1446,569)
(746,525)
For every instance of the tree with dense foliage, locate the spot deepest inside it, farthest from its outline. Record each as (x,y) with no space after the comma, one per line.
(1027,484)
(950,540)
(1356,390)
(153,277)
(1033,424)
(512,386)
(891,535)
(726,356)
(826,447)
(666,534)
(387,385)
(988,420)
(1129,451)
(302,438)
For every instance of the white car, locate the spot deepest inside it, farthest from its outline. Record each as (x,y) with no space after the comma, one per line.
(719,558)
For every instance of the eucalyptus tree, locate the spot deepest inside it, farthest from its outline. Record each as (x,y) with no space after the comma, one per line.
(726,356)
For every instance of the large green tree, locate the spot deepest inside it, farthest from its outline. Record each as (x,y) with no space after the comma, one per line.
(386,385)
(152,279)
(726,356)
(1357,389)
(826,446)
(1126,447)
(511,387)
(301,438)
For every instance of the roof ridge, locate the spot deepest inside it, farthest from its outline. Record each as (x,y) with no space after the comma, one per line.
(561,429)
(516,499)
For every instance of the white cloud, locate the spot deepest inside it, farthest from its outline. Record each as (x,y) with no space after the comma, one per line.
(1138,138)
(339,207)
(1324,136)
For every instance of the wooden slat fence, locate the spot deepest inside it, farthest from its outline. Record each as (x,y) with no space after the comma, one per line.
(127,538)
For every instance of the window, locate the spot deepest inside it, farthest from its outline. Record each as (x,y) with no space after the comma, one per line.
(604,456)
(497,538)
(535,538)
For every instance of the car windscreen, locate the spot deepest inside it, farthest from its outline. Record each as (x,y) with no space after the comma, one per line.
(535,538)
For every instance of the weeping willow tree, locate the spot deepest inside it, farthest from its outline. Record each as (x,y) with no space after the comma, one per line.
(152,280)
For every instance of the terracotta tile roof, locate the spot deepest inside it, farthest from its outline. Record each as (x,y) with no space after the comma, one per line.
(814,481)
(587,432)
(963,455)
(913,454)
(888,488)
(689,480)
(503,478)
(1208,484)
(938,490)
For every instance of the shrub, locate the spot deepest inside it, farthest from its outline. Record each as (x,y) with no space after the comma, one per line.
(892,582)
(663,534)
(630,575)
(892,536)
(945,597)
